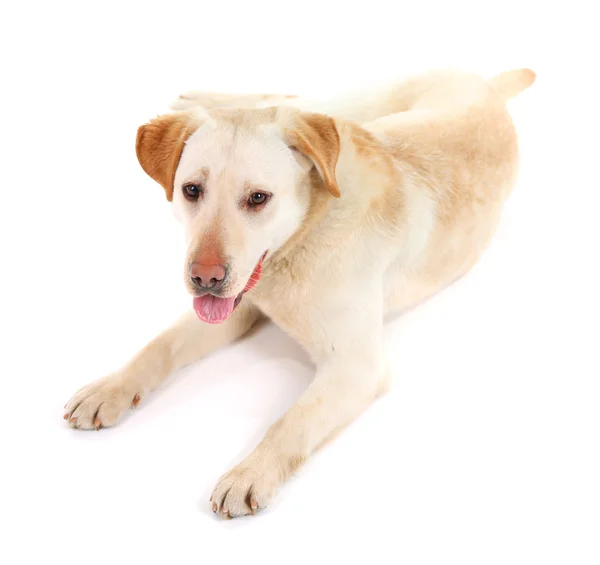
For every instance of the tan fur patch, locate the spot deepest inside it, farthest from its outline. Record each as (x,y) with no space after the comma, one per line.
(317,138)
(159,146)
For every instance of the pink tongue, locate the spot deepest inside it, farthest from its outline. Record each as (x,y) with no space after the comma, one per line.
(213,309)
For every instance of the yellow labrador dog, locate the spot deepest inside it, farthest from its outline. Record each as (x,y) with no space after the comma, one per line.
(323,218)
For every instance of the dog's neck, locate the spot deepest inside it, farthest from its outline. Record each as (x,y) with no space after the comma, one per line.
(320,201)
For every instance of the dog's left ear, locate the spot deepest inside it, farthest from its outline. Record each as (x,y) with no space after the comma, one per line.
(316,137)
(159,146)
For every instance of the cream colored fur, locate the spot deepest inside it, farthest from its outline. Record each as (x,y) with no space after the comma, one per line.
(422,180)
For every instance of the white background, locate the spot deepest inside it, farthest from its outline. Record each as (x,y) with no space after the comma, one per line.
(487,448)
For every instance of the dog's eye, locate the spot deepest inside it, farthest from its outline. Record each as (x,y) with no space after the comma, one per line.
(192,191)
(258,198)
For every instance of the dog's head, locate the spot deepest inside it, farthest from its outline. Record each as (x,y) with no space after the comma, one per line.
(241,182)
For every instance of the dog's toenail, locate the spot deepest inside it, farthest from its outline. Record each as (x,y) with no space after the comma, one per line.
(66,417)
(214,507)
(73,421)
(135,401)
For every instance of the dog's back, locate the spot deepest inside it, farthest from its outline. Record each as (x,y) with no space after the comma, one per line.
(458,146)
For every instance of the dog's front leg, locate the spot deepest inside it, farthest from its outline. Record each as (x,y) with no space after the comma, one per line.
(351,373)
(99,404)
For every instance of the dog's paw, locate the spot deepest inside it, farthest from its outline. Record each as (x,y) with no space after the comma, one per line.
(247,488)
(100,404)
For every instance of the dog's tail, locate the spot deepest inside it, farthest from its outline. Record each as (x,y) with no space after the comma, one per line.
(511,83)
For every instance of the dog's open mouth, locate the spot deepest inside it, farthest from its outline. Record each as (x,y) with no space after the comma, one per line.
(215,309)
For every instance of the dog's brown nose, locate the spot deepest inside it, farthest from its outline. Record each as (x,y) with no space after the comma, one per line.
(207,276)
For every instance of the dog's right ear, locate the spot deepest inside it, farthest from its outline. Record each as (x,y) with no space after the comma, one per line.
(159,146)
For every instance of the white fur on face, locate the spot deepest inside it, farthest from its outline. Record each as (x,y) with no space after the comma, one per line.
(238,163)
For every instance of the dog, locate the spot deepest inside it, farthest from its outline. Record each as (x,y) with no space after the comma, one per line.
(323,217)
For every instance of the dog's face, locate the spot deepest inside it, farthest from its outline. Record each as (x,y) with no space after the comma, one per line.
(239,183)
